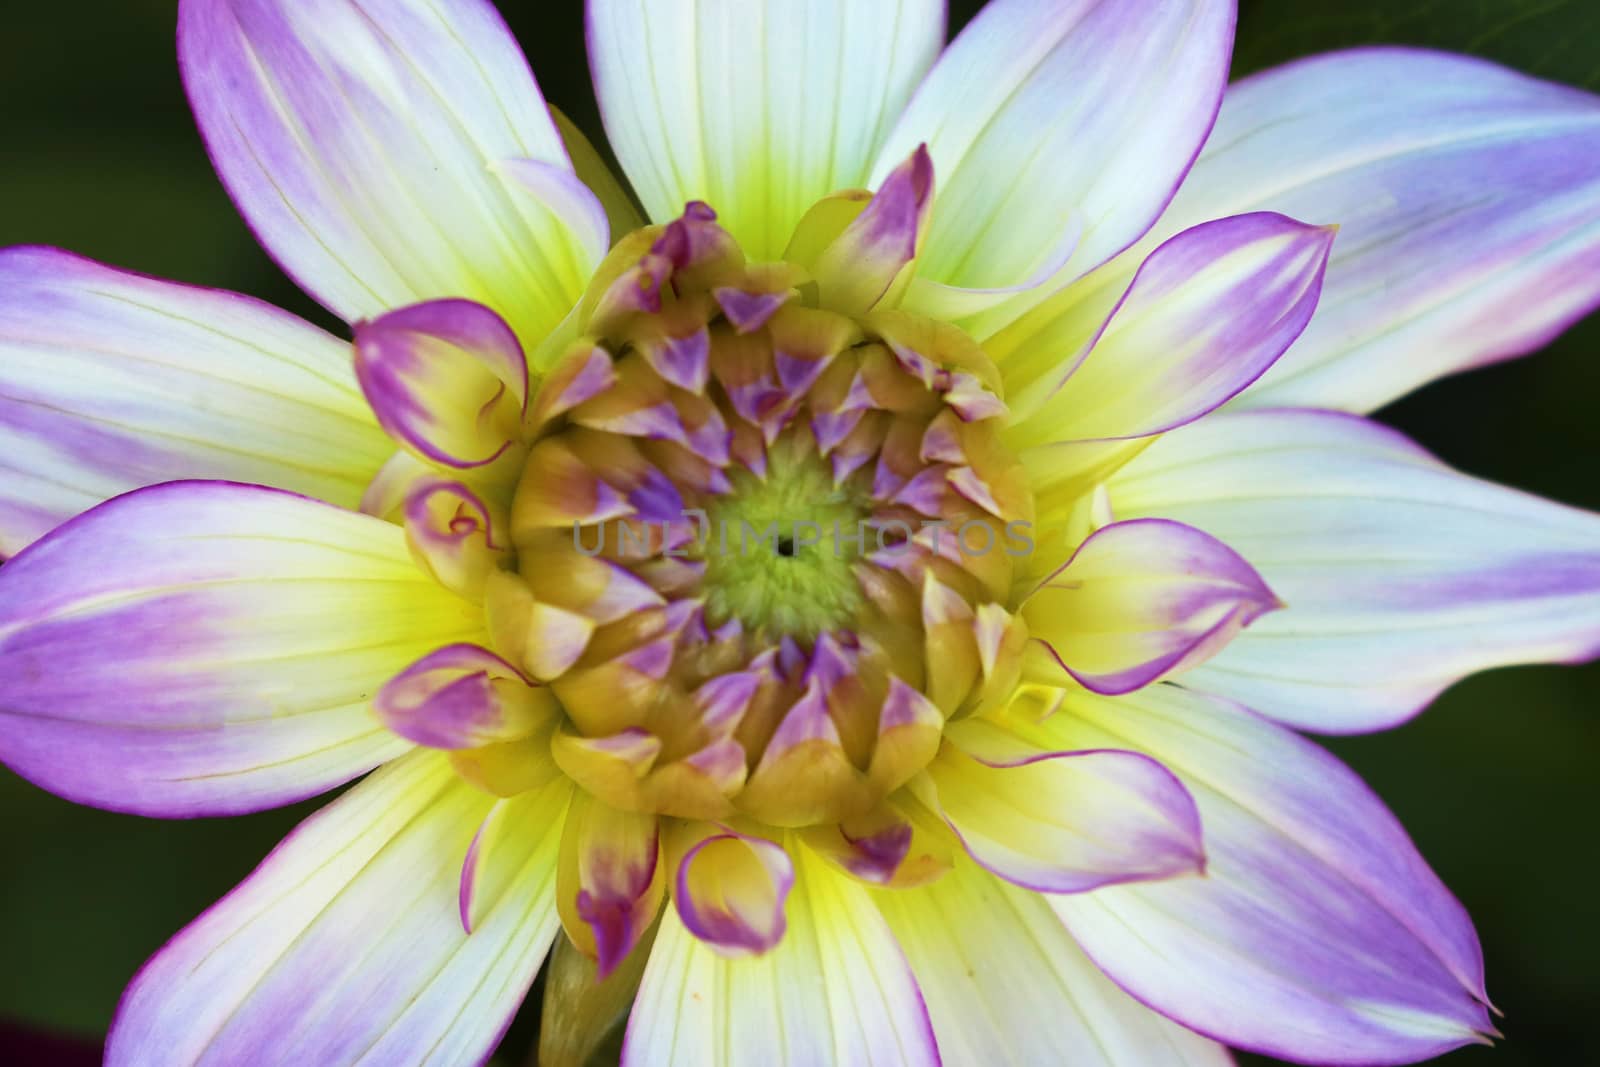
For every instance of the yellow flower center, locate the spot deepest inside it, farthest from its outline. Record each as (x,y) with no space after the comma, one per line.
(763,549)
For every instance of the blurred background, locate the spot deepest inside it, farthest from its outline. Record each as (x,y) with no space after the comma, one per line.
(1497,782)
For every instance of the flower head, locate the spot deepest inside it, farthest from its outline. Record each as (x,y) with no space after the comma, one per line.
(861,606)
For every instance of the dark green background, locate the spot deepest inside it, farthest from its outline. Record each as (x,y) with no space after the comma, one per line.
(1496,782)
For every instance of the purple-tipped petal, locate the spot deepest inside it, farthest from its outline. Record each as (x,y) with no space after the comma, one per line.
(1144,599)
(875,857)
(683,361)
(1469,201)
(1318,935)
(730,892)
(452,534)
(749,311)
(582,375)
(346,943)
(1065,821)
(204,648)
(358,138)
(461,696)
(1401,576)
(1208,312)
(110,381)
(611,880)
(859,268)
(447,379)
(832,429)
(722,701)
(472,866)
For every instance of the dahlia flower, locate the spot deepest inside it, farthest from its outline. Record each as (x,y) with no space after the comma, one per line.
(865,603)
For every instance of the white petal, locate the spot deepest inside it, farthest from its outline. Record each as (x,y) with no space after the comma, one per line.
(836,989)
(758,107)
(110,381)
(1318,934)
(357,137)
(1400,576)
(1007,986)
(1468,198)
(1047,118)
(346,944)
(204,648)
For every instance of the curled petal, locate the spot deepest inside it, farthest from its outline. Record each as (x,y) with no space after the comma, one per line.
(452,534)
(1066,821)
(462,696)
(1401,575)
(611,880)
(730,892)
(447,379)
(873,856)
(1143,599)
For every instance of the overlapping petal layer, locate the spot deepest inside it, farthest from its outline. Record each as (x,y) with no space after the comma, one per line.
(345,945)
(1318,932)
(1058,131)
(208,648)
(1469,201)
(1468,198)
(357,137)
(1401,575)
(110,381)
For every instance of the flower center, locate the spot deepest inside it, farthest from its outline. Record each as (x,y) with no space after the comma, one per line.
(764,550)
(778,551)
